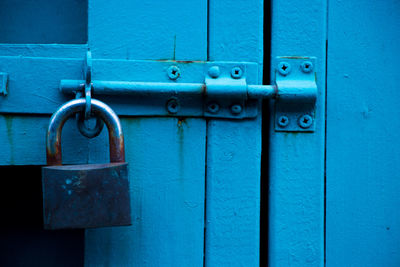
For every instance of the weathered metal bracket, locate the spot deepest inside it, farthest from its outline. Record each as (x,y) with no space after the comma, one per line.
(226,93)
(295,80)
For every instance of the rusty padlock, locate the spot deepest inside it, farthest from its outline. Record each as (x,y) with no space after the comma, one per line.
(91,195)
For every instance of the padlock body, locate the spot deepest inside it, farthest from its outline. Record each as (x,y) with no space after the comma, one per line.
(86,196)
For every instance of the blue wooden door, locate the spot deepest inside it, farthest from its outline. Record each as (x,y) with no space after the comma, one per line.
(195,182)
(334,193)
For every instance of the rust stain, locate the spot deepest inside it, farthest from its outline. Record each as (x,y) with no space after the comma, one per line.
(204,89)
(174,47)
(179,61)
(276,92)
(117,148)
(181,120)
(295,57)
(54,158)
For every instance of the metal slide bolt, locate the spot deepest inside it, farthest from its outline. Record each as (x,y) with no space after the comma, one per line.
(305,121)
(283,121)
(173,106)
(173,72)
(284,68)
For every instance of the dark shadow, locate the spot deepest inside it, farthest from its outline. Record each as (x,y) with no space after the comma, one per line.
(265,139)
(23,241)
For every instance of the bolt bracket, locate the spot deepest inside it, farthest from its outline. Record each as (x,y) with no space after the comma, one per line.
(229,91)
(297,93)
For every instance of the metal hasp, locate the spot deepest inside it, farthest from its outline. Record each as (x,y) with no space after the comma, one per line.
(295,80)
(229,90)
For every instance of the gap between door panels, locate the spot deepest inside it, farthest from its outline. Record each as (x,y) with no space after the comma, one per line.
(266,117)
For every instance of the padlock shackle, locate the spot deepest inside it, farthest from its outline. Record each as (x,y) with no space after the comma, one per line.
(99,109)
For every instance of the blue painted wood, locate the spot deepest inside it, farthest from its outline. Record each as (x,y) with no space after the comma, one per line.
(44,50)
(148,29)
(22,141)
(166,155)
(42,76)
(43,22)
(166,166)
(296,191)
(363,159)
(234,148)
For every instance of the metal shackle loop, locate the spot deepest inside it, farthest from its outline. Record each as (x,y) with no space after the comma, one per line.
(99,109)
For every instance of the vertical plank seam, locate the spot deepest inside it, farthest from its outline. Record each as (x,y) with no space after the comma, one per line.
(326,121)
(205,196)
(208,30)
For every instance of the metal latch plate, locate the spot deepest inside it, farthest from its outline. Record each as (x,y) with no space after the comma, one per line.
(295,77)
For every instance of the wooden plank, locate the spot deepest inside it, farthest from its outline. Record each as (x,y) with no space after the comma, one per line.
(148,29)
(166,155)
(362,213)
(166,167)
(296,191)
(233,193)
(44,50)
(43,22)
(234,147)
(23,141)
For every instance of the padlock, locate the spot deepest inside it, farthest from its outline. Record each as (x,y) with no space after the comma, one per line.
(91,195)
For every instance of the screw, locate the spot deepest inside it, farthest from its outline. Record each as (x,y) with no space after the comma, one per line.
(173,106)
(307,66)
(236,109)
(213,107)
(305,121)
(283,121)
(214,72)
(284,68)
(236,73)
(173,72)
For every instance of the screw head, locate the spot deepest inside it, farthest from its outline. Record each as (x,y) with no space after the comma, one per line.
(214,72)
(236,109)
(284,68)
(307,66)
(283,121)
(213,107)
(305,121)
(173,72)
(236,73)
(172,106)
